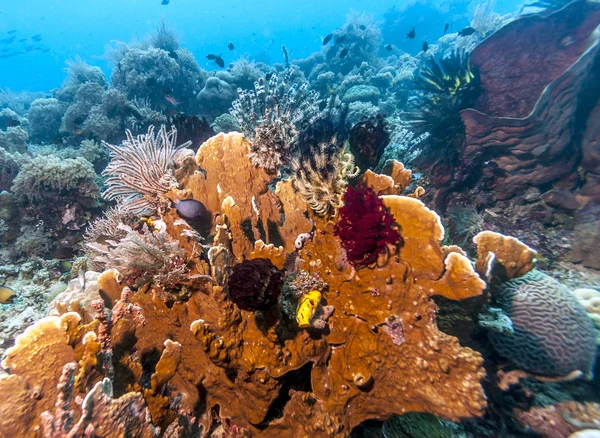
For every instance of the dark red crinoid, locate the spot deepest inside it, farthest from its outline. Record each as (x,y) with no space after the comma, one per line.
(365,226)
(255,284)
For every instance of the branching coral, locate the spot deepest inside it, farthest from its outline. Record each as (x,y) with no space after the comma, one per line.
(158,75)
(365,226)
(321,177)
(360,36)
(486,21)
(44,117)
(271,117)
(49,177)
(139,174)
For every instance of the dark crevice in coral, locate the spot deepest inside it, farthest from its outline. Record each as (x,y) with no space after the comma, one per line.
(262,235)
(246,227)
(275,237)
(297,380)
(148,361)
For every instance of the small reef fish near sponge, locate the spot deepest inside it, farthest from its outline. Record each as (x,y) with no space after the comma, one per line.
(307,306)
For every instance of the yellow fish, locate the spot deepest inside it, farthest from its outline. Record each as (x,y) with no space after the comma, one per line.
(307,307)
(7,295)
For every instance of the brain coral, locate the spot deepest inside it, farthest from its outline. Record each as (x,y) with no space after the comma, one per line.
(552,333)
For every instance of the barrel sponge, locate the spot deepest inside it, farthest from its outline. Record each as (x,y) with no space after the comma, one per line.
(552,333)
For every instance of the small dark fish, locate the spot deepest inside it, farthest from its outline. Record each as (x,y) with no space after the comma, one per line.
(45,50)
(12,123)
(58,139)
(22,40)
(230,46)
(37,37)
(411,35)
(343,52)
(10,32)
(467,31)
(322,105)
(339,39)
(220,61)
(388,47)
(211,57)
(30,48)
(164,2)
(65,266)
(5,50)
(425,46)
(446,27)
(362,27)
(8,40)
(268,76)
(327,39)
(191,209)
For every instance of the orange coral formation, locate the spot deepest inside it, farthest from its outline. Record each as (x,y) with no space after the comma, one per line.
(381,353)
(515,257)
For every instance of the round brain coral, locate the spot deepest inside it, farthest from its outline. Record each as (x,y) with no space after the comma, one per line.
(365,226)
(255,284)
(552,333)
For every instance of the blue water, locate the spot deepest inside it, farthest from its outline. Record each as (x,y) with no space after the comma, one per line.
(71,28)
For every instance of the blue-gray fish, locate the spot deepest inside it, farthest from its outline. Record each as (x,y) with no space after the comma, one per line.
(191,209)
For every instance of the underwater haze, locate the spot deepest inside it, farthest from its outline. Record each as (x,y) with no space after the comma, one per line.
(258,29)
(284,219)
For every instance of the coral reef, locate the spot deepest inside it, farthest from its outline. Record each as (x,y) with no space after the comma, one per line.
(286,276)
(389,356)
(46,177)
(44,117)
(146,71)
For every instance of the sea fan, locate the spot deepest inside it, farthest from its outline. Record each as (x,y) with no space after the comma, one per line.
(365,226)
